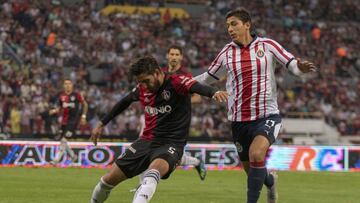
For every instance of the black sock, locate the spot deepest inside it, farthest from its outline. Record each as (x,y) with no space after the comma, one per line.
(269,180)
(256,178)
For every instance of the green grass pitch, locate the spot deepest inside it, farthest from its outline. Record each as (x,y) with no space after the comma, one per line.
(74,185)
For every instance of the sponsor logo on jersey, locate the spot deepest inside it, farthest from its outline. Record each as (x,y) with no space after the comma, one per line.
(153,111)
(72,98)
(68,105)
(166,95)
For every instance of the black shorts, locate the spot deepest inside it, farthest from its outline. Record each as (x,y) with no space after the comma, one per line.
(138,156)
(245,132)
(68,130)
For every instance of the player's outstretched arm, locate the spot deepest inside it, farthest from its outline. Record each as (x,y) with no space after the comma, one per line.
(206,78)
(119,107)
(96,132)
(216,70)
(209,91)
(84,112)
(298,67)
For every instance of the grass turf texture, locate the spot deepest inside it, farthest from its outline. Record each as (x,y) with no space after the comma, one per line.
(59,185)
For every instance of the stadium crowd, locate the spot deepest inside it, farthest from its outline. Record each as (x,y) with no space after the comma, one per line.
(49,37)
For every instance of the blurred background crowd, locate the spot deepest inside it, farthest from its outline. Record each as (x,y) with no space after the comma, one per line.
(54,41)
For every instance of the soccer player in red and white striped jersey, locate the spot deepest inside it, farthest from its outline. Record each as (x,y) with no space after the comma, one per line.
(248,62)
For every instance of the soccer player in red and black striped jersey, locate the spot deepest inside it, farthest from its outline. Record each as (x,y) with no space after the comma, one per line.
(166,102)
(74,108)
(248,62)
(175,57)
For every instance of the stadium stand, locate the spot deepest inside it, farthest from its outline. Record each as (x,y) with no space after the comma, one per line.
(43,42)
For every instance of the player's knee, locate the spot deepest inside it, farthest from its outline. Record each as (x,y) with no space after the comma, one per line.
(256,155)
(160,165)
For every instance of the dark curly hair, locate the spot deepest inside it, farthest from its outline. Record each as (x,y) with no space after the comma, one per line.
(144,65)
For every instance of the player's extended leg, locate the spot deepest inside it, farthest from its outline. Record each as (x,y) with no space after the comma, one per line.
(189,160)
(268,182)
(106,184)
(198,163)
(60,154)
(269,179)
(69,151)
(69,132)
(158,168)
(257,171)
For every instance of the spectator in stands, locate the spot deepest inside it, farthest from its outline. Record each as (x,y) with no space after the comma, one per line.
(15,118)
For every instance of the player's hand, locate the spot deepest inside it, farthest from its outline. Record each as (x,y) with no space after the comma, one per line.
(306,66)
(96,133)
(220,96)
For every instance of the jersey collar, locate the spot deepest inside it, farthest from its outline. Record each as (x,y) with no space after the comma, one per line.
(254,36)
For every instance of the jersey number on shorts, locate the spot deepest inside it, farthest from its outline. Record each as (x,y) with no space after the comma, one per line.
(171,150)
(269,123)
